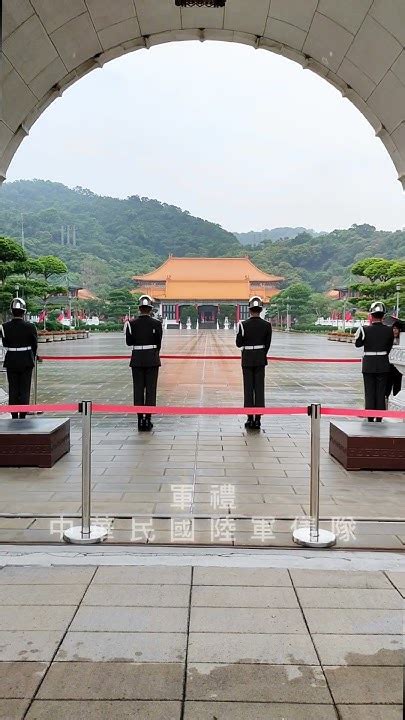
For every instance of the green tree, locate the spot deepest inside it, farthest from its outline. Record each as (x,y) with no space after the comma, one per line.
(52,265)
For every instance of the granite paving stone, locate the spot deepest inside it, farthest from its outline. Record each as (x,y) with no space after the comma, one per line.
(13,709)
(339,579)
(365,685)
(271,649)
(20,679)
(142,575)
(349,598)
(23,617)
(246,620)
(260,577)
(378,650)
(123,647)
(259,711)
(104,710)
(370,712)
(249,597)
(113,681)
(131,619)
(131,595)
(46,576)
(29,645)
(41,594)
(354,622)
(260,683)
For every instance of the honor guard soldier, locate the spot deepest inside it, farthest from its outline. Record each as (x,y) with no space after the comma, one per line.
(377,340)
(144,333)
(20,342)
(254,337)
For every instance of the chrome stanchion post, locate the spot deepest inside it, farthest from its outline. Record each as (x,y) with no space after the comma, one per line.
(87,534)
(314,536)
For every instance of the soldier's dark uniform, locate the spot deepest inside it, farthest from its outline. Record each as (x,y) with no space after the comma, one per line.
(20,341)
(377,340)
(254,337)
(145,335)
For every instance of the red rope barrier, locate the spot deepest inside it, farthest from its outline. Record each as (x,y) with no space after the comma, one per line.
(193,410)
(274,358)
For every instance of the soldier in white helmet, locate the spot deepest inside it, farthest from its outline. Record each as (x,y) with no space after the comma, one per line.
(20,341)
(254,337)
(144,333)
(377,340)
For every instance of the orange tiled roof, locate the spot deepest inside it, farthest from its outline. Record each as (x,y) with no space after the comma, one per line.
(201,269)
(206,290)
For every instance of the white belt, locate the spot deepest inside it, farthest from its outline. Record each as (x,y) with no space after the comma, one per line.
(376,353)
(145,347)
(23,349)
(253,347)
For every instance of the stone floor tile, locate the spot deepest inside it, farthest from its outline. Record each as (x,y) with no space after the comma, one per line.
(378,650)
(354,622)
(260,683)
(29,645)
(23,617)
(13,709)
(142,596)
(67,575)
(20,679)
(143,575)
(130,619)
(371,712)
(274,649)
(339,579)
(246,620)
(113,681)
(365,685)
(397,579)
(123,647)
(262,577)
(349,598)
(41,595)
(250,597)
(258,711)
(104,710)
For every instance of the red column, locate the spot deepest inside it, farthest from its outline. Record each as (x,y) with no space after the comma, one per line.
(177,313)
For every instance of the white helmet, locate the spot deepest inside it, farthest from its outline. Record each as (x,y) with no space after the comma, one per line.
(256,302)
(18,304)
(377,308)
(145,301)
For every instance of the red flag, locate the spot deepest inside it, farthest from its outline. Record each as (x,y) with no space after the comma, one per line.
(42,315)
(60,317)
(68,314)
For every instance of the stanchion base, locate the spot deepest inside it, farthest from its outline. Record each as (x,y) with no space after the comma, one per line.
(75,536)
(323,539)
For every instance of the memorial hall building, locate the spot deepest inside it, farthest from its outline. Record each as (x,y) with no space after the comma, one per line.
(206,284)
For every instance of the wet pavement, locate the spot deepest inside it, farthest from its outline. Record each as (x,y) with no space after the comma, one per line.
(235,487)
(200,643)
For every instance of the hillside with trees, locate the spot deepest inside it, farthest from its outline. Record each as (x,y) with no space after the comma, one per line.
(110,239)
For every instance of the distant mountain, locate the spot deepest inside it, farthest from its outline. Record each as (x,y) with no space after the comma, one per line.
(115,238)
(255,238)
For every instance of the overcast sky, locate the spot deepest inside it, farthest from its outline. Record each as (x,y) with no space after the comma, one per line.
(240,137)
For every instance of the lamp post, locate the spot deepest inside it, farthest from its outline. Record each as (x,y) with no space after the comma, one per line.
(288,315)
(398,289)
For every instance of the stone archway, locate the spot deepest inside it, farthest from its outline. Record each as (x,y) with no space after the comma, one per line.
(357,46)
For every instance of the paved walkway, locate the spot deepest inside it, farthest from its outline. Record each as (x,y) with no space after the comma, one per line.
(200,643)
(203,466)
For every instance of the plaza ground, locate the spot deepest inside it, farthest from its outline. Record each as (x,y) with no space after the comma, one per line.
(149,626)
(133,473)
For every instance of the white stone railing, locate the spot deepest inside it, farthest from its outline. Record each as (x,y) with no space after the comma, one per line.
(397,358)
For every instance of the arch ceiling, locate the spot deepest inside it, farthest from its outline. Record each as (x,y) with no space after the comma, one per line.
(357,45)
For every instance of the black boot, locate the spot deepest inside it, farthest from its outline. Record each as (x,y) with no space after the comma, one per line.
(257,424)
(148,423)
(141,423)
(249,424)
